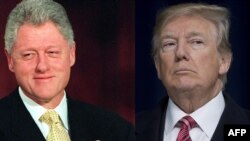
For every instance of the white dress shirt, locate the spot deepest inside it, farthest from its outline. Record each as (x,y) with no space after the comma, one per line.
(36,111)
(207,117)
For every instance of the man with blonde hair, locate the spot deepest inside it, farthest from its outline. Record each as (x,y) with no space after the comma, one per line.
(192,56)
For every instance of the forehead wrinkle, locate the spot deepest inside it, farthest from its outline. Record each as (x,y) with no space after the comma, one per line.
(194,34)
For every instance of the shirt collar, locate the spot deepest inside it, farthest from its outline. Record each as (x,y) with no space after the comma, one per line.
(37,110)
(207,116)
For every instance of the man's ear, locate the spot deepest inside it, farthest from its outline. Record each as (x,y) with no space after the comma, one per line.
(225,62)
(9,59)
(72,54)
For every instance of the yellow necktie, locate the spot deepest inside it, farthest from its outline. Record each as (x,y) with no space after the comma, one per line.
(57,131)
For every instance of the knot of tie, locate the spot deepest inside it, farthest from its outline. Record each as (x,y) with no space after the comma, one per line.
(57,131)
(50,117)
(186,124)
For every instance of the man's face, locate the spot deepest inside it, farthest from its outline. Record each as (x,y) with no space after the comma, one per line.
(41,60)
(189,57)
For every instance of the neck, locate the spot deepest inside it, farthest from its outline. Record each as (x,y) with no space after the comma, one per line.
(190,101)
(51,103)
(48,103)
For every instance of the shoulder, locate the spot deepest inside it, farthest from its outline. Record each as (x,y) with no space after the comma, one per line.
(7,99)
(145,118)
(94,112)
(5,110)
(100,121)
(152,115)
(5,102)
(150,124)
(8,108)
(234,113)
(8,103)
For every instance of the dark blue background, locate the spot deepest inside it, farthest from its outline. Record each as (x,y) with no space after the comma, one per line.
(149,89)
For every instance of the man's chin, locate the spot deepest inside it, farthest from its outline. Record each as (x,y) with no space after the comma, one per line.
(184,87)
(40,97)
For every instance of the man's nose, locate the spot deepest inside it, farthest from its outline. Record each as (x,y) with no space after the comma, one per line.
(182,51)
(42,63)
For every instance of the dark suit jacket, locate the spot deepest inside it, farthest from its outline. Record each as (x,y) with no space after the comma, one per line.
(150,124)
(87,123)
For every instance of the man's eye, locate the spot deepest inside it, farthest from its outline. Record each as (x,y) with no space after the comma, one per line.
(197,42)
(28,56)
(53,53)
(168,46)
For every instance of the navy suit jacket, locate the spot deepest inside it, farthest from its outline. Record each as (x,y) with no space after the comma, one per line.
(150,124)
(86,122)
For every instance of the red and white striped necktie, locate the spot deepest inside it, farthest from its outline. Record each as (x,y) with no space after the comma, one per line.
(186,124)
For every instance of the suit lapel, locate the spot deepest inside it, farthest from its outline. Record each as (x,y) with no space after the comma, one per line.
(164,104)
(78,123)
(232,114)
(160,115)
(151,128)
(23,125)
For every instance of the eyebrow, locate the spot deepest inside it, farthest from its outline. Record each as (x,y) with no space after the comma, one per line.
(189,35)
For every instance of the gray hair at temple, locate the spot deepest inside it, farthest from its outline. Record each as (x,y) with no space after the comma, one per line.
(37,12)
(219,16)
